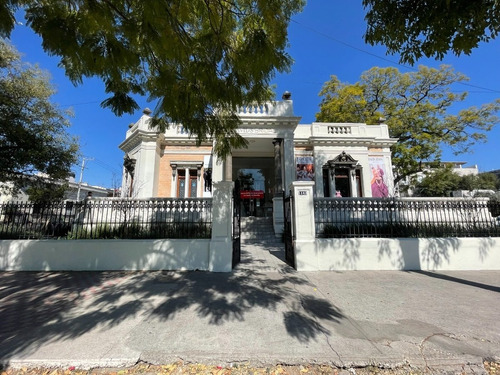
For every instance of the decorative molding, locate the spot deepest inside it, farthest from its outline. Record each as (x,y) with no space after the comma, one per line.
(180,164)
(255,131)
(343,160)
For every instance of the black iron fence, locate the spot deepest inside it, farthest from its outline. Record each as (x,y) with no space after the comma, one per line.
(406,217)
(108,218)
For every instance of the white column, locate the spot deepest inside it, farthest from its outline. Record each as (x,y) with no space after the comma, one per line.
(221,245)
(278,169)
(217,169)
(187,182)
(147,170)
(288,162)
(173,187)
(306,258)
(199,187)
(228,168)
(354,187)
(331,180)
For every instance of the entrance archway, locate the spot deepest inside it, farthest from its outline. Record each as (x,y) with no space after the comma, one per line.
(256,181)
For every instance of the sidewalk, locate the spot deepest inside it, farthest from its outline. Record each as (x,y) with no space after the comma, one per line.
(262,314)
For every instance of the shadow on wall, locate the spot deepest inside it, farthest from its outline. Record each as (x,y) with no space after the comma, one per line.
(349,247)
(485,245)
(37,308)
(405,253)
(409,254)
(399,259)
(100,255)
(437,252)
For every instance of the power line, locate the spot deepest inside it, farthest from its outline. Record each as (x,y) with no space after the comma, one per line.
(83,103)
(381,57)
(107,166)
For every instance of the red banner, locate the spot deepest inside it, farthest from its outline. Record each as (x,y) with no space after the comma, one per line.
(249,194)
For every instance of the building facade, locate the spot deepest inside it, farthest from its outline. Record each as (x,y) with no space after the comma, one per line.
(342,159)
(71,193)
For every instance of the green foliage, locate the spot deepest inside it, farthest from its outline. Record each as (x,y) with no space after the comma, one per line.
(415,106)
(198,60)
(488,181)
(133,230)
(431,28)
(33,135)
(438,183)
(40,191)
(442,181)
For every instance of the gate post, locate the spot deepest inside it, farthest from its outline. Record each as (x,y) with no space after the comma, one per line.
(221,245)
(304,226)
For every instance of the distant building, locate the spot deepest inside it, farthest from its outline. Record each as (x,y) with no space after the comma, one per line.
(70,194)
(460,169)
(407,185)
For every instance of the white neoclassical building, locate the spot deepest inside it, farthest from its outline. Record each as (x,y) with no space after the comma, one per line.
(343,159)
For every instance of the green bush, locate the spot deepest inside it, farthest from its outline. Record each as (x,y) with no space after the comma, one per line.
(136,230)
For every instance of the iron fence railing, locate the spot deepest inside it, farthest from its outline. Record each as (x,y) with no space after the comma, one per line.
(107,218)
(406,217)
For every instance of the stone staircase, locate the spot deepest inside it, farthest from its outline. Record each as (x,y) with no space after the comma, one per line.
(258,230)
(261,250)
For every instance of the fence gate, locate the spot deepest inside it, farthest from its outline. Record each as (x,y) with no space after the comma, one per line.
(236,236)
(288,233)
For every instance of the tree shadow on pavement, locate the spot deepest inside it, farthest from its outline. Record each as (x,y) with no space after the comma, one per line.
(37,308)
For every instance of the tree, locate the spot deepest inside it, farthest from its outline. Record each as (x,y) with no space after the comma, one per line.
(415,107)
(438,183)
(199,60)
(482,181)
(488,181)
(34,144)
(42,191)
(431,28)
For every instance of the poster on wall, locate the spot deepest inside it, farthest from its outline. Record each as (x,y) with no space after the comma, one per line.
(378,177)
(305,168)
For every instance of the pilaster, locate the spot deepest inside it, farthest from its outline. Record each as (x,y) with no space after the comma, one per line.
(221,245)
(304,225)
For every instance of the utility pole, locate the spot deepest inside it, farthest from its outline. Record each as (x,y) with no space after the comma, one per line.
(81,177)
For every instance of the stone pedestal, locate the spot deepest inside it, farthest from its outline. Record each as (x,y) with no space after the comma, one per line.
(221,245)
(304,225)
(278,216)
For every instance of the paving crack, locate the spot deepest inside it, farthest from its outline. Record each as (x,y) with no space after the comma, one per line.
(333,350)
(422,343)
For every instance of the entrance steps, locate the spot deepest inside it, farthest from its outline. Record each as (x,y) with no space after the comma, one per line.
(258,229)
(261,250)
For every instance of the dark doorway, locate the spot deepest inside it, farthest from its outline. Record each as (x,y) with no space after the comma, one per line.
(255,177)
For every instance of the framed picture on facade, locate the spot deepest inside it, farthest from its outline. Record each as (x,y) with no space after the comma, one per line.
(305,168)
(379,183)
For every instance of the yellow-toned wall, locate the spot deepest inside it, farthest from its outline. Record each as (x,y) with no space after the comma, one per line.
(165,173)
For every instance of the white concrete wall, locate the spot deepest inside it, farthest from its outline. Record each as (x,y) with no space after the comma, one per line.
(429,254)
(221,246)
(99,255)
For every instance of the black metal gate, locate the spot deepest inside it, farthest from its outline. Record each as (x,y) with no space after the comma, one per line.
(288,232)
(236,236)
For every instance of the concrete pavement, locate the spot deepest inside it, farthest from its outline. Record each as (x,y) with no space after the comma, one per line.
(263,313)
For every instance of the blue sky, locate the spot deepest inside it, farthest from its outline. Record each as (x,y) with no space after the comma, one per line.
(325,39)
